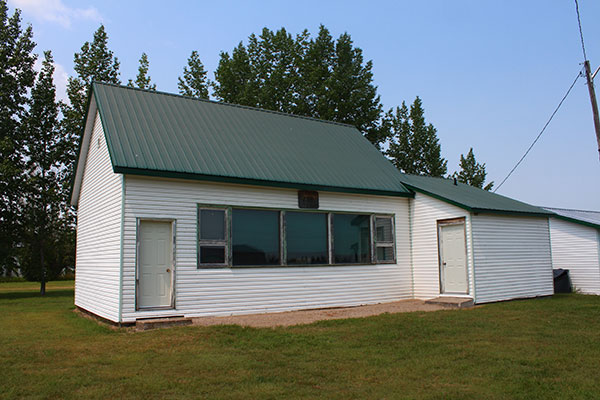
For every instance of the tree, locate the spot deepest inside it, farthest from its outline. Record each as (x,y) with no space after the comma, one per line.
(16,79)
(45,197)
(350,93)
(316,67)
(264,74)
(143,80)
(95,62)
(414,147)
(194,82)
(235,82)
(471,172)
(319,78)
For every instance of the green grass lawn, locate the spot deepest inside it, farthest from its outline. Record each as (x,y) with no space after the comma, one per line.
(543,348)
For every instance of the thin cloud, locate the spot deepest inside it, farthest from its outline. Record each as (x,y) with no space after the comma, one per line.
(56,11)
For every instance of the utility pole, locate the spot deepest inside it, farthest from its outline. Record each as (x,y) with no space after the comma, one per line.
(590,84)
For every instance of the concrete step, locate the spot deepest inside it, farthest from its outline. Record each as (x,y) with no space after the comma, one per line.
(156,323)
(452,302)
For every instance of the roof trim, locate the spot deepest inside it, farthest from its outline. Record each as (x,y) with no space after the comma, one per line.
(556,210)
(576,221)
(475,210)
(437,196)
(82,150)
(255,182)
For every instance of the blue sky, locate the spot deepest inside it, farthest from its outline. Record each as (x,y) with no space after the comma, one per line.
(490,73)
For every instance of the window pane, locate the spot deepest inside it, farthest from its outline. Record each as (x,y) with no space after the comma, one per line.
(385,254)
(212,224)
(255,237)
(306,238)
(383,228)
(212,254)
(351,239)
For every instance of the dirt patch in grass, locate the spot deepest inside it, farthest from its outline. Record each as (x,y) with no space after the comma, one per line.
(309,316)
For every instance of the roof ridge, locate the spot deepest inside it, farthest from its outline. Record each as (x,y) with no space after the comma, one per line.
(224,103)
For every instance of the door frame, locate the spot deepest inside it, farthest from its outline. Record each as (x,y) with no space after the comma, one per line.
(447,222)
(138,222)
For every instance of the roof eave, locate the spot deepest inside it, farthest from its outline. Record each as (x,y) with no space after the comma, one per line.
(75,185)
(479,210)
(436,196)
(576,221)
(511,212)
(256,182)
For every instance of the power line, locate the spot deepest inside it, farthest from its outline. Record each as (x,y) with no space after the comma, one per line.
(541,132)
(580,30)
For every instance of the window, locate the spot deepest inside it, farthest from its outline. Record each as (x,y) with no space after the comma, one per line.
(351,239)
(306,238)
(237,237)
(255,237)
(384,240)
(212,237)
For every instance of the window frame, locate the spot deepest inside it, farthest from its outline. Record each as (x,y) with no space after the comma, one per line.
(283,240)
(225,242)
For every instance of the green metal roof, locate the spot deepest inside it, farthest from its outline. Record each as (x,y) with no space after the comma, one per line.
(160,134)
(583,217)
(468,197)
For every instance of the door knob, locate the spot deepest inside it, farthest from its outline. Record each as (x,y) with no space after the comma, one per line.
(168,269)
(444,263)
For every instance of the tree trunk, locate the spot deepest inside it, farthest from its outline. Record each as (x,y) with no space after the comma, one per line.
(43,282)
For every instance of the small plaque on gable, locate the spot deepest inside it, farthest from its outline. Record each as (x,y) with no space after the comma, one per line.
(308,199)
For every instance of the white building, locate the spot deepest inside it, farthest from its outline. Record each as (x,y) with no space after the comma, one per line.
(470,242)
(576,246)
(190,208)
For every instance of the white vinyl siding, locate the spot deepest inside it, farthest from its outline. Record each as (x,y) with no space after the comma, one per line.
(577,248)
(98,232)
(512,257)
(226,291)
(425,212)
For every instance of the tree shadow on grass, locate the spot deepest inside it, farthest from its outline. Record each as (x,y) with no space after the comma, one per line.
(29,294)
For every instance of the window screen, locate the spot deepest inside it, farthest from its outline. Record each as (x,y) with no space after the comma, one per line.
(212,236)
(351,239)
(306,238)
(212,254)
(384,240)
(212,224)
(255,237)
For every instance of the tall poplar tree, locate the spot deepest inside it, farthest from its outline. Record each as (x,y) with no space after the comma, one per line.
(414,147)
(319,78)
(471,172)
(94,62)
(194,82)
(264,74)
(16,79)
(316,68)
(143,80)
(235,80)
(45,247)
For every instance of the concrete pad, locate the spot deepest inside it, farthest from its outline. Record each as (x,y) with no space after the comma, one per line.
(147,324)
(452,302)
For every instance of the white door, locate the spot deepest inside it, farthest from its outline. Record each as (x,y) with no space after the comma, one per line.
(453,258)
(155,264)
